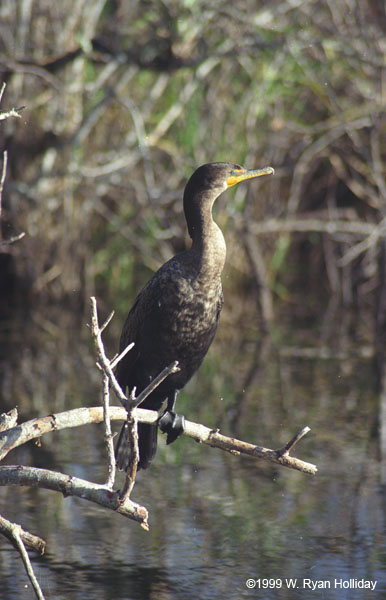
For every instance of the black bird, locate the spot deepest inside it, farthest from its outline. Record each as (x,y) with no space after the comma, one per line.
(175,315)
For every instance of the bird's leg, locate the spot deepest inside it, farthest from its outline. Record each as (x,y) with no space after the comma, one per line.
(170,422)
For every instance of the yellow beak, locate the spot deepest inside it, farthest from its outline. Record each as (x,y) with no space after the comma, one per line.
(243,174)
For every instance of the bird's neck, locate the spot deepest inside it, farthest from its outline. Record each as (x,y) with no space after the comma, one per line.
(208,244)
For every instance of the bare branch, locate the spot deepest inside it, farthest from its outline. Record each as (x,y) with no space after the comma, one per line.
(12,240)
(214,438)
(74,486)
(366,244)
(81,416)
(8,420)
(108,376)
(132,426)
(172,368)
(4,85)
(109,437)
(2,178)
(15,238)
(286,449)
(103,361)
(14,112)
(116,360)
(14,532)
(31,541)
(130,404)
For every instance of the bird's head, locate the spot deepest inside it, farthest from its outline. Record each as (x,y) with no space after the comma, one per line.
(212,179)
(217,177)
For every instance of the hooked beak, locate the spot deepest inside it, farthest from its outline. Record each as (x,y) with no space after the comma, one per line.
(243,174)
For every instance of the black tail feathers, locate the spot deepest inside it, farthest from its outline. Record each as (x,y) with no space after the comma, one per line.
(147,446)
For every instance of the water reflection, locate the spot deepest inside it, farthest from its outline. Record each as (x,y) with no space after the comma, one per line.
(215,520)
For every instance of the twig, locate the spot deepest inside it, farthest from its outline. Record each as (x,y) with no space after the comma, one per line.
(12,240)
(14,112)
(105,366)
(2,178)
(286,449)
(2,90)
(35,428)
(103,361)
(131,473)
(74,486)
(366,244)
(118,358)
(129,403)
(15,533)
(131,423)
(108,433)
(31,541)
(172,368)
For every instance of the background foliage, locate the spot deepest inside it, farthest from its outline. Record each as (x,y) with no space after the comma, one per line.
(124,99)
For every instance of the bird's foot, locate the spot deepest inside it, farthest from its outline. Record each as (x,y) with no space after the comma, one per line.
(172,424)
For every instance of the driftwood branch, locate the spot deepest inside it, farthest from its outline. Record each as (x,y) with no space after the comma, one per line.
(81,416)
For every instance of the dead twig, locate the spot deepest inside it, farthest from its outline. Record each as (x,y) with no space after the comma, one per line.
(104,364)
(286,449)
(18,537)
(2,178)
(132,436)
(129,404)
(31,541)
(14,238)
(13,112)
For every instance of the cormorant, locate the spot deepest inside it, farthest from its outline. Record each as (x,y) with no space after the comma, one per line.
(175,315)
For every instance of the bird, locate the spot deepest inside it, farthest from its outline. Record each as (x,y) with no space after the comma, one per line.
(175,316)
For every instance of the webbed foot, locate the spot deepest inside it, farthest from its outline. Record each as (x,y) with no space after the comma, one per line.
(172,424)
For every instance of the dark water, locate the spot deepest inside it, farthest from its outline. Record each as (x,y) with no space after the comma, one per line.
(215,520)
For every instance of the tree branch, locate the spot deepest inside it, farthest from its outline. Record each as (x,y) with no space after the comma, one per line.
(74,486)
(77,417)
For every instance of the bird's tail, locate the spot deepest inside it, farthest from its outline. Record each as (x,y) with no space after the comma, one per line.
(147,446)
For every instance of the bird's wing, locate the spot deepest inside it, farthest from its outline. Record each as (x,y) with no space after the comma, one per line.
(133,331)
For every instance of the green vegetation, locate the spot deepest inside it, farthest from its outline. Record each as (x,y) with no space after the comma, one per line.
(124,101)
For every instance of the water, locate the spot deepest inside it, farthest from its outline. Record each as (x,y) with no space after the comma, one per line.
(216,520)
